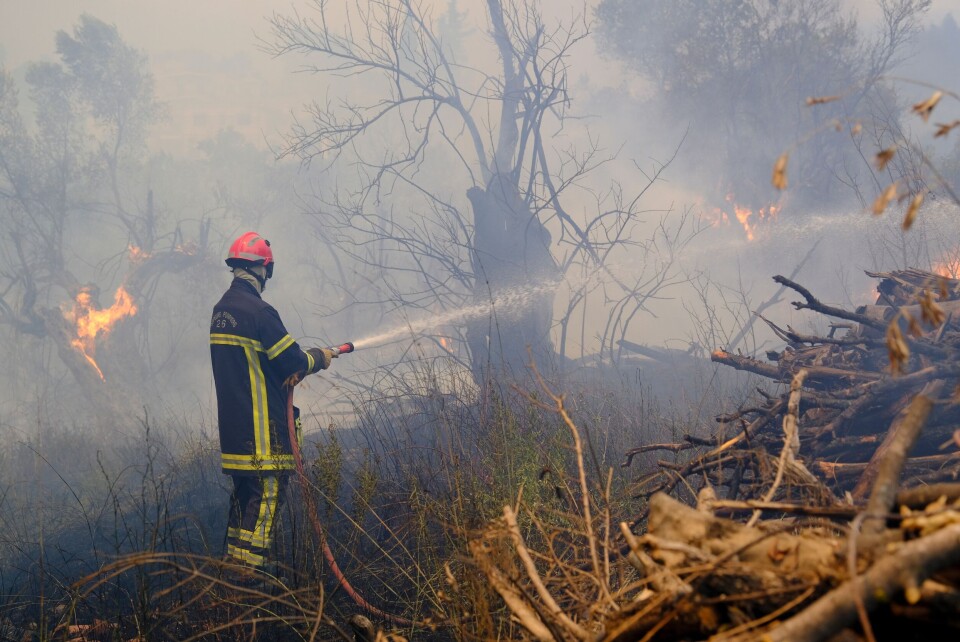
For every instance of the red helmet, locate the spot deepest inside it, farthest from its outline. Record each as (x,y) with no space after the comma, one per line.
(251,249)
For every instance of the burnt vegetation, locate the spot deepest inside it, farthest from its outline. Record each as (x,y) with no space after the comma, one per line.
(514,460)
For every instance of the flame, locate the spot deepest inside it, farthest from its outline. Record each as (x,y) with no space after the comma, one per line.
(949,268)
(446,344)
(748,219)
(718,218)
(91,321)
(137,255)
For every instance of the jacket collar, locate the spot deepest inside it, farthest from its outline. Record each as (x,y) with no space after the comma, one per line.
(244,285)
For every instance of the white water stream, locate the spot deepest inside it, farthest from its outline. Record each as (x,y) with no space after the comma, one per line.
(510,299)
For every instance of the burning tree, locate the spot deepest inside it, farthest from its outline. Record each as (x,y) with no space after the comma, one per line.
(64,201)
(430,128)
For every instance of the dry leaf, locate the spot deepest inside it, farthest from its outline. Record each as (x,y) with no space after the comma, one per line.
(884,157)
(884,199)
(925,108)
(780,172)
(708,619)
(819,100)
(930,312)
(451,580)
(944,128)
(913,326)
(897,349)
(936,505)
(778,550)
(915,204)
(912,594)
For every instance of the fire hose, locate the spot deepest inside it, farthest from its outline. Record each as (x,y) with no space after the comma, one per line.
(315,517)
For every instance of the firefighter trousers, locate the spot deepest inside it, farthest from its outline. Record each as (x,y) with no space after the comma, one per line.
(254,509)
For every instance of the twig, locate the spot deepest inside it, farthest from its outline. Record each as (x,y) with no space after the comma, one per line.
(747,364)
(633,452)
(893,574)
(791,440)
(758,313)
(554,609)
(769,617)
(855,526)
(924,495)
(875,389)
(561,410)
(813,304)
(661,577)
(894,451)
(722,506)
(516,602)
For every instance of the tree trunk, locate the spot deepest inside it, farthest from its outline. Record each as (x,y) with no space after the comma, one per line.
(512,263)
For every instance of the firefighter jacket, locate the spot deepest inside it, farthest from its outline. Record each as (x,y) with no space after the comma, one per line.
(252,356)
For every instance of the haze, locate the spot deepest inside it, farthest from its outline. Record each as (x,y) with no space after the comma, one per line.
(213,75)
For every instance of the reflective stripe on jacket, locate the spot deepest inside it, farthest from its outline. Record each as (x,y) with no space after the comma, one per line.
(252,356)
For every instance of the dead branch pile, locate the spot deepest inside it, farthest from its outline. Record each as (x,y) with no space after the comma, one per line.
(828,509)
(857,382)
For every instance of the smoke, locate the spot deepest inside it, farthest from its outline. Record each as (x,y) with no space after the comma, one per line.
(212,163)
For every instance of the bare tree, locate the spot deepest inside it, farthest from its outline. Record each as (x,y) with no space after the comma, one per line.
(413,129)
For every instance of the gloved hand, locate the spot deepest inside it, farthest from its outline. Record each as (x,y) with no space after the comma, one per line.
(322,357)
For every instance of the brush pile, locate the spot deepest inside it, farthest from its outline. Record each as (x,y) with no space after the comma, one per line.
(857,382)
(830,508)
(852,461)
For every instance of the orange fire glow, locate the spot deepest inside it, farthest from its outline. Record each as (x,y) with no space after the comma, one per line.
(136,254)
(446,344)
(749,220)
(92,322)
(949,268)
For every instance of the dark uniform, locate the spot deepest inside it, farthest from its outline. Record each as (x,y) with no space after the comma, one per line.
(252,356)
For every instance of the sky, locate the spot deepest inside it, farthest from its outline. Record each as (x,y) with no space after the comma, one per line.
(207,66)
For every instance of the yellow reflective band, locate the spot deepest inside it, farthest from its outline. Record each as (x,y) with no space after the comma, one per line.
(253,463)
(262,530)
(310,362)
(234,340)
(279,346)
(252,459)
(245,556)
(251,538)
(261,413)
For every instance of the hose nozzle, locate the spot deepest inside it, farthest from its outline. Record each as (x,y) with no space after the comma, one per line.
(343,349)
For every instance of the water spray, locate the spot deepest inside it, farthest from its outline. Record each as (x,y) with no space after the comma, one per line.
(506,301)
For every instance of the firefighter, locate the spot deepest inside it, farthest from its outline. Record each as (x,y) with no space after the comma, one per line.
(255,362)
